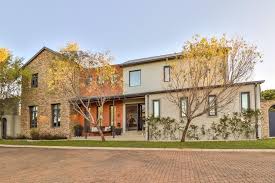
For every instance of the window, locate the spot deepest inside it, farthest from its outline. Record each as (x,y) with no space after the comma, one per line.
(33,116)
(156,108)
(56,115)
(183,106)
(134,78)
(99,114)
(166,73)
(89,80)
(114,79)
(112,112)
(245,101)
(100,80)
(34,81)
(212,105)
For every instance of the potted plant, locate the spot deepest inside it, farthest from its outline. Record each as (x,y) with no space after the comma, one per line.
(118,129)
(78,129)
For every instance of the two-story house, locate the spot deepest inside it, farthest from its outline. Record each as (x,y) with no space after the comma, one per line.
(142,95)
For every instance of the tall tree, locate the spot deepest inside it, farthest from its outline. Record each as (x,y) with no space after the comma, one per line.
(77,73)
(209,67)
(10,80)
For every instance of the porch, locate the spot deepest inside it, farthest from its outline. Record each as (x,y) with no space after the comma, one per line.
(121,118)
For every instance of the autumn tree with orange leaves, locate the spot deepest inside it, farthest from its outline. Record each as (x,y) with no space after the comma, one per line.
(73,67)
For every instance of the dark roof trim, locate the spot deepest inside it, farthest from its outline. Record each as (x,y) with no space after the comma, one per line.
(150,59)
(39,52)
(139,95)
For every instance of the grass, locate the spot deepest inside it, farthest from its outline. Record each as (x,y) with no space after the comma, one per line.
(252,144)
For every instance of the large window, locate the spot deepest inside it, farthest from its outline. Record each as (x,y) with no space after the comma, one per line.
(34,81)
(56,115)
(245,101)
(156,108)
(183,106)
(33,116)
(134,78)
(166,73)
(212,105)
(112,112)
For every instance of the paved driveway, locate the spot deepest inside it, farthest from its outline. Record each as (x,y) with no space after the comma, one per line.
(54,165)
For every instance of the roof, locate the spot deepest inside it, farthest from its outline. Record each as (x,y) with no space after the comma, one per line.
(150,59)
(40,51)
(137,95)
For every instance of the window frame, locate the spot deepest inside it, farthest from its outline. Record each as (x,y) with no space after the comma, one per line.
(138,70)
(110,114)
(34,78)
(248,101)
(58,124)
(209,107)
(181,99)
(164,73)
(33,123)
(153,102)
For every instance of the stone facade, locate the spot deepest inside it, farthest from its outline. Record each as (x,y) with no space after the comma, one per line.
(265,106)
(41,98)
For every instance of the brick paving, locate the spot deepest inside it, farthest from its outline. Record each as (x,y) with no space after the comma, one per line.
(27,165)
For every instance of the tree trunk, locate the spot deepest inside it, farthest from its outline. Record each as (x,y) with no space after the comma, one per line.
(101,133)
(185,130)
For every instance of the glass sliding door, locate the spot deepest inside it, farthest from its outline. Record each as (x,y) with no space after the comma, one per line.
(131,116)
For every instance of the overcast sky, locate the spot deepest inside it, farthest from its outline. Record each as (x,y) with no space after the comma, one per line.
(136,29)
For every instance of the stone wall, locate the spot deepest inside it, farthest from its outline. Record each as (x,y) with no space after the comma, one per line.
(265,106)
(43,99)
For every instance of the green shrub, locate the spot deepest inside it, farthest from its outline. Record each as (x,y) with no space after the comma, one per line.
(47,136)
(34,134)
(268,94)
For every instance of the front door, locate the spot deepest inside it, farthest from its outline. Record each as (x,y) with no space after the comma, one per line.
(4,128)
(131,117)
(135,116)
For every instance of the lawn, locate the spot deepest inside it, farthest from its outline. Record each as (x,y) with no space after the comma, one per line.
(252,144)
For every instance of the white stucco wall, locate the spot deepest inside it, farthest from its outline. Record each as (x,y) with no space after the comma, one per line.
(151,77)
(169,109)
(13,125)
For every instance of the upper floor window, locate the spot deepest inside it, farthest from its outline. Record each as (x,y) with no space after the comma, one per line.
(34,81)
(212,105)
(100,80)
(156,108)
(56,116)
(245,101)
(183,106)
(33,116)
(134,78)
(89,80)
(166,73)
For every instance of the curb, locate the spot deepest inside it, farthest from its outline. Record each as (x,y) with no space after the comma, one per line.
(139,149)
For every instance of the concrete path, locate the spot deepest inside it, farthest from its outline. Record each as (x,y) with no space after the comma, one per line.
(65,165)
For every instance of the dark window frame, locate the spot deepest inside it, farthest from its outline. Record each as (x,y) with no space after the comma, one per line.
(153,102)
(130,78)
(209,110)
(165,67)
(32,112)
(58,124)
(248,100)
(34,80)
(181,99)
